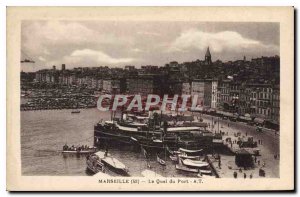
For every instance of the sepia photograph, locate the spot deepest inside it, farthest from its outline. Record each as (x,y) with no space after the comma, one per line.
(154,101)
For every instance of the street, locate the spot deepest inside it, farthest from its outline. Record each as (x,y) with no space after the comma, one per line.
(268,148)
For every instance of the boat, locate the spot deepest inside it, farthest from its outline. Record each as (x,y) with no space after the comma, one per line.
(150,174)
(189,151)
(94,164)
(185,169)
(160,161)
(129,132)
(75,111)
(76,150)
(209,172)
(115,165)
(184,156)
(194,164)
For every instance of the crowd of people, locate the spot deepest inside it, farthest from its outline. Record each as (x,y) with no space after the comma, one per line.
(76,148)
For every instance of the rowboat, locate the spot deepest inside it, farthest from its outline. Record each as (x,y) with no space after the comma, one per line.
(160,161)
(89,150)
(150,174)
(184,156)
(206,172)
(194,164)
(190,151)
(186,169)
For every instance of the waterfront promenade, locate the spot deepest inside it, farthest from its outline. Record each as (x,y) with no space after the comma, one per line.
(269,147)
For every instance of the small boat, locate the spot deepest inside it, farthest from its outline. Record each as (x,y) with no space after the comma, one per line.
(77,150)
(184,156)
(186,169)
(194,164)
(150,174)
(75,111)
(173,158)
(190,151)
(160,161)
(206,172)
(115,165)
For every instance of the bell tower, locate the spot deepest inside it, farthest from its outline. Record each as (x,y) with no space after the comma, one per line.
(208,56)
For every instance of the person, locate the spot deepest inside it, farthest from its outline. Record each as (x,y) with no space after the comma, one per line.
(219,163)
(255,159)
(245,175)
(251,176)
(235,174)
(258,162)
(106,152)
(65,147)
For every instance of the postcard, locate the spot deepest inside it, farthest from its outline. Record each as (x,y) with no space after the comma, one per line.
(150,98)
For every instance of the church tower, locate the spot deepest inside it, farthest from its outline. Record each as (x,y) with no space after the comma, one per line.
(208,56)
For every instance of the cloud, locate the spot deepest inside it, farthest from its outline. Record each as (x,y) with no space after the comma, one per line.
(41,36)
(42,59)
(95,56)
(218,42)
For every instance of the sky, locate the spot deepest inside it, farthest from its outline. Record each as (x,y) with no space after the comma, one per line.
(120,43)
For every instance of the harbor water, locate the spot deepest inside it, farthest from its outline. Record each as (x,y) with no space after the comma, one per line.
(43,133)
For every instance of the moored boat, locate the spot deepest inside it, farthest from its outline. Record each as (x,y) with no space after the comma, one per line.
(184,156)
(115,165)
(194,164)
(185,169)
(94,163)
(187,151)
